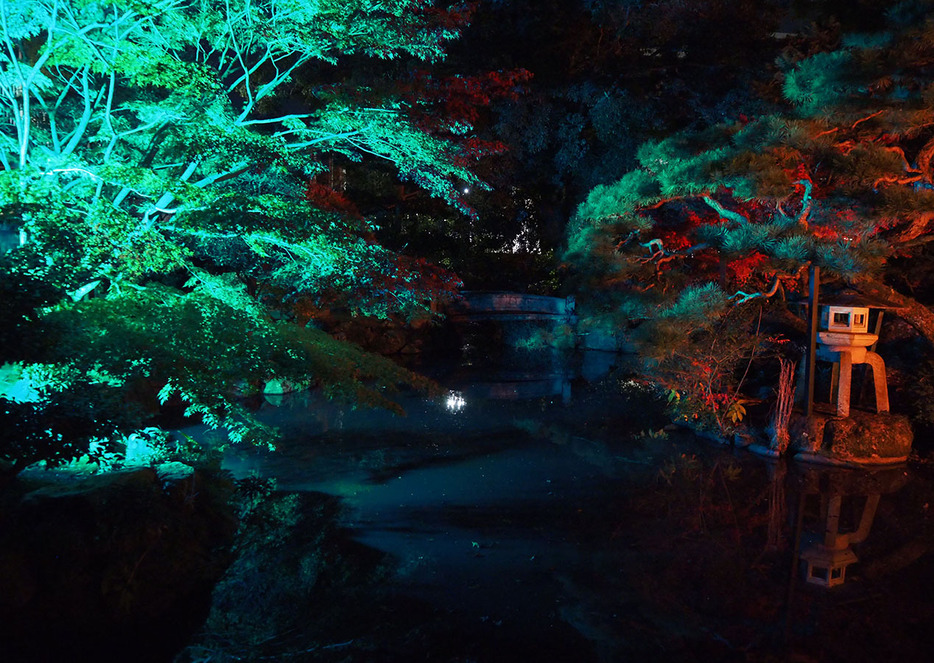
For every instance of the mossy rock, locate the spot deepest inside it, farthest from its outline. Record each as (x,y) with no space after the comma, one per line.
(864,438)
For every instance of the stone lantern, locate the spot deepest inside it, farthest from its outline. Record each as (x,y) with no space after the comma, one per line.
(844,332)
(843,339)
(826,561)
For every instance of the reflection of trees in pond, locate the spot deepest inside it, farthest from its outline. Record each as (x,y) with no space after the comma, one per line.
(709,555)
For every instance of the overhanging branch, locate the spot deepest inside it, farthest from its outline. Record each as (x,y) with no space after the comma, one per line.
(743,297)
(724,213)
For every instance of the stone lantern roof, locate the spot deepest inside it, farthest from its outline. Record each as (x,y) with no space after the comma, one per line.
(849,297)
(855,299)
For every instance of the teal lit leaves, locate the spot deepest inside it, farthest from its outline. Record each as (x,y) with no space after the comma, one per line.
(428,161)
(146,155)
(61,426)
(199,348)
(609,201)
(823,80)
(794,248)
(697,305)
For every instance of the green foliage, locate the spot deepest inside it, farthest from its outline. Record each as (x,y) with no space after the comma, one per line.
(696,306)
(610,201)
(62,425)
(559,337)
(823,80)
(147,156)
(148,335)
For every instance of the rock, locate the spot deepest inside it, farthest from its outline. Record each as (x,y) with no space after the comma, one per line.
(174,472)
(864,438)
(281,386)
(117,566)
(743,439)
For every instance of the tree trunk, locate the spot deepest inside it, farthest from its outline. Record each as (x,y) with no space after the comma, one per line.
(912,311)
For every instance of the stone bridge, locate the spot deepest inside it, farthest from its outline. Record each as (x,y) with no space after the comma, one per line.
(512,306)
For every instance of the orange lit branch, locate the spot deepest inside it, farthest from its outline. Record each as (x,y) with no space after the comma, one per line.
(918,228)
(867,118)
(924,159)
(660,256)
(894,179)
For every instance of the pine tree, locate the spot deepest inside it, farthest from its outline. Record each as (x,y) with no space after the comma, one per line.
(714,221)
(156,163)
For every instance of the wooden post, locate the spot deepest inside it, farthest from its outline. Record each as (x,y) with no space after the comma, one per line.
(813,314)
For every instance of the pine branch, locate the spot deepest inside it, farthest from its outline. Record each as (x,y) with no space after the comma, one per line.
(743,297)
(736,217)
(924,160)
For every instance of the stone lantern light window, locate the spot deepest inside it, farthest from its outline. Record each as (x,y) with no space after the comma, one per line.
(854,319)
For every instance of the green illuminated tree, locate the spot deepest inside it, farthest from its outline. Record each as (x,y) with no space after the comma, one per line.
(157,165)
(715,222)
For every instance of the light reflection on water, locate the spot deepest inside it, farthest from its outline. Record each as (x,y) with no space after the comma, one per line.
(455,401)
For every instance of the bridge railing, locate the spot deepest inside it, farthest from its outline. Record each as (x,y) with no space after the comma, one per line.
(511,305)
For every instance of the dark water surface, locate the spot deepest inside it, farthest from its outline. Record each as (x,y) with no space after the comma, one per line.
(532,516)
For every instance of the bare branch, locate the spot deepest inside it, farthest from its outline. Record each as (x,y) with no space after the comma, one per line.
(660,256)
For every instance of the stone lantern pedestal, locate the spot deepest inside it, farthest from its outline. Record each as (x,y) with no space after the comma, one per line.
(845,349)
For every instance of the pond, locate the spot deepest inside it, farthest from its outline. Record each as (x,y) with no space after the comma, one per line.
(534,515)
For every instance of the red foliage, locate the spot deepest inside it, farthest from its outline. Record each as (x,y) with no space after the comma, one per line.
(452,18)
(462,98)
(384,282)
(333,201)
(674,240)
(826,232)
(799,172)
(421,276)
(682,236)
(846,225)
(742,269)
(473,149)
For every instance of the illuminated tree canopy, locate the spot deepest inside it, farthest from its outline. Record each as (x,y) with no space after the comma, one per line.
(158,164)
(716,220)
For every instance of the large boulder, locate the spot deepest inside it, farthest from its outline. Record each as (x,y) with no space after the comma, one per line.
(118,566)
(863,438)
